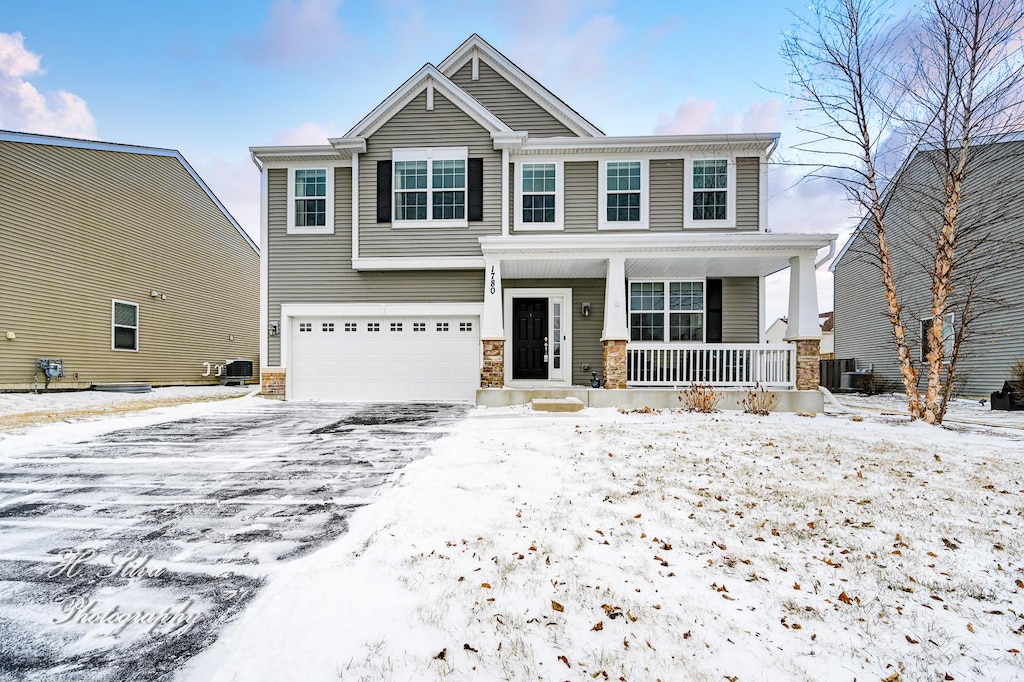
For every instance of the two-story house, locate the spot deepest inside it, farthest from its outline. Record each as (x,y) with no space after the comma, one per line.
(475,232)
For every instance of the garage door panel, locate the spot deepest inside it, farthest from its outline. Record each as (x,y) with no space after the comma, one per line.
(382,358)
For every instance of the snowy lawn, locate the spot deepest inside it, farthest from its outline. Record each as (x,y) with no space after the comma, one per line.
(663,546)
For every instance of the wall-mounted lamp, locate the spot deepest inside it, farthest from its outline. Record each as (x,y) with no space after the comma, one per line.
(586,310)
(11,336)
(272,329)
(154,294)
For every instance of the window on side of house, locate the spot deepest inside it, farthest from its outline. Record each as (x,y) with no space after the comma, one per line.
(710,196)
(309,201)
(539,200)
(124,325)
(623,192)
(430,186)
(666,311)
(948,337)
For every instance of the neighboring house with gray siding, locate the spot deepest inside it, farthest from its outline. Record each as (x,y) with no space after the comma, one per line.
(121,262)
(988,271)
(474,231)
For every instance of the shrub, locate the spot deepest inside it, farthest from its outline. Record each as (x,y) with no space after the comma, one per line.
(700,398)
(876,384)
(759,401)
(1017,379)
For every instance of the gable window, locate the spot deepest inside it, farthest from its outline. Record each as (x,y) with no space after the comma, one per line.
(948,337)
(666,311)
(124,326)
(309,200)
(538,196)
(624,192)
(710,198)
(430,186)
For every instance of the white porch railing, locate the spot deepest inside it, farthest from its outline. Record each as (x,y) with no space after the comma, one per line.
(718,364)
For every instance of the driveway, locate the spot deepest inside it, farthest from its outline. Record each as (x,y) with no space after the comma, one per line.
(123,556)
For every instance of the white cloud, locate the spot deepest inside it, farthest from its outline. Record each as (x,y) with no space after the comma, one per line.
(699,116)
(297,31)
(237,185)
(24,108)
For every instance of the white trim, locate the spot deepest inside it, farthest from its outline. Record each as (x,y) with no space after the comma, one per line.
(411,89)
(718,146)
(72,143)
(328,227)
(475,68)
(505,218)
(730,195)
(113,326)
(559,224)
(521,80)
(426,263)
(566,347)
(602,196)
(558,245)
(430,95)
(355,207)
(264,271)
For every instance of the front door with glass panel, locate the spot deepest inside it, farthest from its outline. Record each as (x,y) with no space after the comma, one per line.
(539,335)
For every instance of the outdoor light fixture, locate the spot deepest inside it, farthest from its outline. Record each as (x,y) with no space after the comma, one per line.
(272,329)
(586,310)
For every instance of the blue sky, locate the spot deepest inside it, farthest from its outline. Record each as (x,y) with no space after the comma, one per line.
(212,79)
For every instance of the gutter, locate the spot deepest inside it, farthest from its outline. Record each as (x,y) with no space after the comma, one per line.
(256,160)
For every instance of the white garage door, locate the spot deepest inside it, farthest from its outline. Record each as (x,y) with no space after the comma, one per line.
(385,358)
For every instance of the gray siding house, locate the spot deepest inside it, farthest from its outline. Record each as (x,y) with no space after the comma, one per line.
(121,262)
(988,279)
(473,232)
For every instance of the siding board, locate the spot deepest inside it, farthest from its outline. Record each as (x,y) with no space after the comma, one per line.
(581,196)
(508,102)
(748,191)
(741,319)
(81,227)
(666,198)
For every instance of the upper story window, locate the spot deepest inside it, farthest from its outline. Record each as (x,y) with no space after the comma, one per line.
(711,195)
(539,196)
(624,192)
(666,311)
(309,201)
(124,325)
(430,186)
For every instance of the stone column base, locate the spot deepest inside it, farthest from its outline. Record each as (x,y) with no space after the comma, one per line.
(614,363)
(808,367)
(272,383)
(492,374)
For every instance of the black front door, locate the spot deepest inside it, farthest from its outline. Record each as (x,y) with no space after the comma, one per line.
(530,338)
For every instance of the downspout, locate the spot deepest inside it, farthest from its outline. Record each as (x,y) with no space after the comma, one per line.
(831,252)
(256,160)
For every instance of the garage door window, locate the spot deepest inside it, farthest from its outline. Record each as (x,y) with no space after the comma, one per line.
(396,326)
(351,327)
(419,326)
(373,326)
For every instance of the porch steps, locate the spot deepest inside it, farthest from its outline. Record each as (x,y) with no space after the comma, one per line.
(557,404)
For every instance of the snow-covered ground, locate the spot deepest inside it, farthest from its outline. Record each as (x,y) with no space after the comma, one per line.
(668,546)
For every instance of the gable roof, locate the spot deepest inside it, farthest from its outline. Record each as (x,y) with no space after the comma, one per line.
(904,167)
(427,76)
(520,79)
(74,143)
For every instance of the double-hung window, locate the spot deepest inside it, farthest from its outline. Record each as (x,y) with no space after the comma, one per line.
(624,192)
(948,337)
(309,201)
(539,196)
(430,186)
(666,311)
(124,324)
(710,194)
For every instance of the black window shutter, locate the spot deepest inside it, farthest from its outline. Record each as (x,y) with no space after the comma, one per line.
(384,191)
(475,190)
(713,303)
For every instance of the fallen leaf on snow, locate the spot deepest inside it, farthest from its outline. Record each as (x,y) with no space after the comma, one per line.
(556,606)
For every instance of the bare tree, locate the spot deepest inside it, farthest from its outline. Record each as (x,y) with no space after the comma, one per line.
(942,79)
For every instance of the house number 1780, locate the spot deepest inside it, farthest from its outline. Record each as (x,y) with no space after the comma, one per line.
(494,281)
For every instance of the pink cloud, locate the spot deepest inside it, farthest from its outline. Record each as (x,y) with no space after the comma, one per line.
(699,116)
(297,31)
(306,133)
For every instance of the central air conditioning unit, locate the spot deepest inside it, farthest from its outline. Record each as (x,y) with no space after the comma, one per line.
(237,372)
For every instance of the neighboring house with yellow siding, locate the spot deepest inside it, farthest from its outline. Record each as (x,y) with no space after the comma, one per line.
(119,261)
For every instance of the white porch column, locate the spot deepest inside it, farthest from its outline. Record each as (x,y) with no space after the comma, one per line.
(615,323)
(492,324)
(803,299)
(803,328)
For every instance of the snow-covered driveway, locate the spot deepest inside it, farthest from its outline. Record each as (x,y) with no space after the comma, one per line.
(121,556)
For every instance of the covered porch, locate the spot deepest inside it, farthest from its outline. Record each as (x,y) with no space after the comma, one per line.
(672,307)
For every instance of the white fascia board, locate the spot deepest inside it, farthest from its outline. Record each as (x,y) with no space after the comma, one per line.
(522,80)
(556,246)
(404,263)
(347,146)
(271,152)
(292,310)
(411,88)
(757,143)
